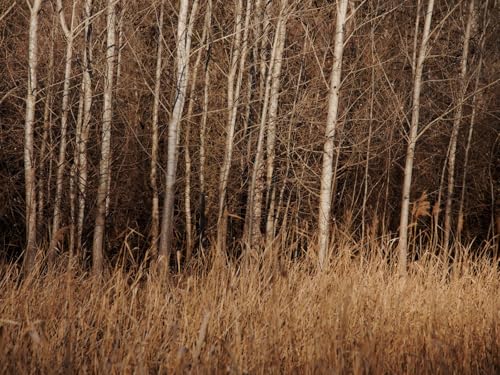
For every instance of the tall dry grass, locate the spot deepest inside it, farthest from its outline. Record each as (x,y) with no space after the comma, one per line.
(258,317)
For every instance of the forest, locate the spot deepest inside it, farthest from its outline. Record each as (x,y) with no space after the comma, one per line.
(250,186)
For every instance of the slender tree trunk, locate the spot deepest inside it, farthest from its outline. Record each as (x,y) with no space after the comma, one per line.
(104,165)
(331,125)
(203,127)
(370,130)
(155,209)
(412,139)
(456,126)
(29,167)
(460,221)
(87,115)
(120,43)
(233,99)
(183,50)
(187,153)
(47,125)
(61,161)
(257,183)
(273,117)
(73,184)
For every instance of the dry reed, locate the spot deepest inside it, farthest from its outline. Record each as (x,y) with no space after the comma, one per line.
(359,317)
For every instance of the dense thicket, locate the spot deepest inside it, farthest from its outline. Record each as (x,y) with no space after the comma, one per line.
(370,142)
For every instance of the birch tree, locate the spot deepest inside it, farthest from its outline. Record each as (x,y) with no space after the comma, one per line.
(273,117)
(234,80)
(456,124)
(104,165)
(155,209)
(412,139)
(331,126)
(47,125)
(61,162)
(182,62)
(29,167)
(83,135)
(271,86)
(203,128)
(187,153)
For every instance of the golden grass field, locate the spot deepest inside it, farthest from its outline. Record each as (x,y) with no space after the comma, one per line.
(258,317)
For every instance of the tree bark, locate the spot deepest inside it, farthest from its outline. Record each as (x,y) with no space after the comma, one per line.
(82,140)
(155,209)
(61,161)
(239,50)
(331,126)
(460,221)
(273,117)
(456,126)
(187,153)
(29,167)
(104,165)
(412,139)
(183,50)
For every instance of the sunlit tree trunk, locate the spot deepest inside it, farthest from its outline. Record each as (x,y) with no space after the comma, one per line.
(273,117)
(61,161)
(412,139)
(456,125)
(82,139)
(257,183)
(182,61)
(155,209)
(104,165)
(331,126)
(235,77)
(29,167)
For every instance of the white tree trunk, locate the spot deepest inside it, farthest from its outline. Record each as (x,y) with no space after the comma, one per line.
(47,125)
(273,117)
(456,126)
(187,153)
(412,139)
(104,165)
(155,209)
(331,125)
(183,50)
(87,115)
(61,161)
(29,167)
(239,50)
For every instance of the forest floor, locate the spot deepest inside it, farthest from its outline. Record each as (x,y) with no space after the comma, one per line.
(258,317)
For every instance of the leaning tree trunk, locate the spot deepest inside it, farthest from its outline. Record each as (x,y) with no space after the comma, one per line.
(183,50)
(410,152)
(331,125)
(104,165)
(29,167)
(456,126)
